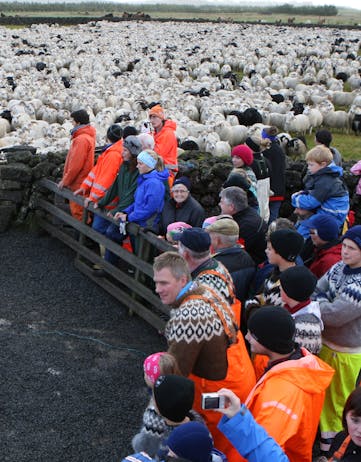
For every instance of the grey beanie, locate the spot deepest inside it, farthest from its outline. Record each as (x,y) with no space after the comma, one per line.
(133,144)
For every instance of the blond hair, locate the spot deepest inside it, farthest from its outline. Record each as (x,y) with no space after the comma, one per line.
(159,166)
(174,262)
(319,154)
(168,365)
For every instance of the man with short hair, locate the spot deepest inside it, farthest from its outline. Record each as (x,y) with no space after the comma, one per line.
(201,328)
(80,158)
(287,400)
(252,228)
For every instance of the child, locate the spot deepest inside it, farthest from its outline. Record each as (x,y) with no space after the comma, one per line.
(356,170)
(297,286)
(170,405)
(154,427)
(324,192)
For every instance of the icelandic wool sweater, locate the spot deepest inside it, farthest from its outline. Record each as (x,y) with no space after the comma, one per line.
(155,430)
(196,335)
(309,325)
(339,295)
(270,294)
(214,274)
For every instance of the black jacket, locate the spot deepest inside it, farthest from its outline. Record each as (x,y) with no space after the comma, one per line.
(190,211)
(252,230)
(241,267)
(277,159)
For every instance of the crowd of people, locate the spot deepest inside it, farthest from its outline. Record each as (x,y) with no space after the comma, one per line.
(265,312)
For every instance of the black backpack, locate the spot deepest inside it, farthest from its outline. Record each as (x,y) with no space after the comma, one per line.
(260,166)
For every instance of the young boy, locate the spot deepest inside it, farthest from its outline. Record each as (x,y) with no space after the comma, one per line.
(297,286)
(325,191)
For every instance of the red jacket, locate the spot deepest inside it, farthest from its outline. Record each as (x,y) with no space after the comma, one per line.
(324,259)
(80,158)
(103,174)
(166,145)
(287,402)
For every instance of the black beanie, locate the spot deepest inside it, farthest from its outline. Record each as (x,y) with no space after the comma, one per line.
(274,328)
(298,283)
(114,133)
(129,130)
(174,396)
(287,243)
(80,116)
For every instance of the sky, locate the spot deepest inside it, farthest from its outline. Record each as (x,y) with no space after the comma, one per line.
(340,3)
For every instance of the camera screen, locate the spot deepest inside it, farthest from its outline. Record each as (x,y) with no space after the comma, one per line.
(211,402)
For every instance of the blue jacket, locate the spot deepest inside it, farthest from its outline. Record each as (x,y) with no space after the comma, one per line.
(148,198)
(250,439)
(325,192)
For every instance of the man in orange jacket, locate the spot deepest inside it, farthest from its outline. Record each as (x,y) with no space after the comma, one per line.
(194,247)
(287,400)
(80,158)
(103,174)
(165,140)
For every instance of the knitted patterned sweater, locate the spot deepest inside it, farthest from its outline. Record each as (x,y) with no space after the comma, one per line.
(339,295)
(270,295)
(197,333)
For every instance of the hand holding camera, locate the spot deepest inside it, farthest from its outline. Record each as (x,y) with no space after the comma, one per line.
(224,401)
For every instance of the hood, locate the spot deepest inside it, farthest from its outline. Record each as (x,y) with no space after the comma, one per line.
(84,130)
(329,249)
(332,169)
(162,176)
(170,124)
(308,373)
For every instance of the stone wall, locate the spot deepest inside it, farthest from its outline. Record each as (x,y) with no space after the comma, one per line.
(21,167)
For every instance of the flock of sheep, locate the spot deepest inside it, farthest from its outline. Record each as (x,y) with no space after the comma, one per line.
(219,81)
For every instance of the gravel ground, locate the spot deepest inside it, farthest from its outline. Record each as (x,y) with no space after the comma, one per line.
(71,386)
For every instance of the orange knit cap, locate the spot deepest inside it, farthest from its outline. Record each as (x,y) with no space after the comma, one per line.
(157,111)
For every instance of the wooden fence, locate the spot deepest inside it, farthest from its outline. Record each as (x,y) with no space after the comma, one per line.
(131,282)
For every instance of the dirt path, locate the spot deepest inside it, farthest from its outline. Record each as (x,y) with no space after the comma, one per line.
(71,386)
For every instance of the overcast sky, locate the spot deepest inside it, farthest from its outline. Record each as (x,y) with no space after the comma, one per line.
(345,3)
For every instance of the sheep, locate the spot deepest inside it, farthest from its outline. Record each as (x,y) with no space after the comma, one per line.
(299,124)
(337,120)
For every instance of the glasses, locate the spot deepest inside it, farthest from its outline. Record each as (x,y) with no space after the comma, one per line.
(181,191)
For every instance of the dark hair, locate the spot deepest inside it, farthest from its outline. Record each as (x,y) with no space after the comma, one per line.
(353,403)
(114,133)
(80,116)
(129,130)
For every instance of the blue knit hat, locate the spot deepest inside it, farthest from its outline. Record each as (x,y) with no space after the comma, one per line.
(191,441)
(354,234)
(326,226)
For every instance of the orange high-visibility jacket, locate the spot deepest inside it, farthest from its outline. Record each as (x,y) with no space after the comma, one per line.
(166,145)
(80,158)
(103,174)
(287,402)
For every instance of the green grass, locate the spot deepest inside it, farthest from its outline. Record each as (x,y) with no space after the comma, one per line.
(349,145)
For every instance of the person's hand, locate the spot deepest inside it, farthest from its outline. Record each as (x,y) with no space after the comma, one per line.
(232,404)
(61,184)
(95,205)
(87,201)
(120,216)
(79,191)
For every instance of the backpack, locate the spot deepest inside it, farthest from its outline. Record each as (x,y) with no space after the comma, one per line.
(260,167)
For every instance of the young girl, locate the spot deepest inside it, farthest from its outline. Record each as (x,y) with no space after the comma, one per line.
(154,427)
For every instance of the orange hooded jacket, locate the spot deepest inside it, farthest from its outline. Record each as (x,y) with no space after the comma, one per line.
(80,158)
(103,174)
(166,145)
(287,402)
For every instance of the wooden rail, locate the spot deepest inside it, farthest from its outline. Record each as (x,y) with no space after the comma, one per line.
(133,289)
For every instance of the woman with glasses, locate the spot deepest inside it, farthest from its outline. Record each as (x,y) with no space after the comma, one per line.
(181,207)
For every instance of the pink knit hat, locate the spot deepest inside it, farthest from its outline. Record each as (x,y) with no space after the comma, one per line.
(244,152)
(151,366)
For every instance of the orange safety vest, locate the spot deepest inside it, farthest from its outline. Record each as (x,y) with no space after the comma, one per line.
(103,174)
